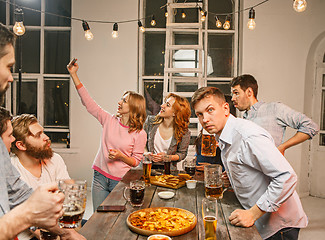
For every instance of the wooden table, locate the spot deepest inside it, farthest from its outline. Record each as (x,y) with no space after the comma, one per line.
(112,225)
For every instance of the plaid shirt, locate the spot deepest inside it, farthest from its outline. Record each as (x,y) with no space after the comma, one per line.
(14,191)
(275,117)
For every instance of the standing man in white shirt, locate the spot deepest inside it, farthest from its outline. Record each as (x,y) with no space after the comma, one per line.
(34,158)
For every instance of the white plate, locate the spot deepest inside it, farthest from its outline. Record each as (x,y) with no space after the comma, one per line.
(158,236)
(166,194)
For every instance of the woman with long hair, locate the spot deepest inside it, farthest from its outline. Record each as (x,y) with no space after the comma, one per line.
(168,131)
(122,142)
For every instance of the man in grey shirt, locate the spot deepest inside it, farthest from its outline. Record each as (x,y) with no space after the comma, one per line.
(262,179)
(273,116)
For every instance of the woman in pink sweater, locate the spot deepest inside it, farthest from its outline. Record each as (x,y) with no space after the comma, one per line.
(122,142)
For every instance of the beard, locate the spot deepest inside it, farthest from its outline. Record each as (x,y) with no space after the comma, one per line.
(39,153)
(3,94)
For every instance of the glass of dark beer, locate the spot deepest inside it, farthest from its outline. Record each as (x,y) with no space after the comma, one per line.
(74,204)
(147,164)
(136,193)
(167,161)
(209,144)
(189,166)
(213,182)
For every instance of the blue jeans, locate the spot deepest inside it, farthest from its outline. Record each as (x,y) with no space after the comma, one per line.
(101,187)
(286,234)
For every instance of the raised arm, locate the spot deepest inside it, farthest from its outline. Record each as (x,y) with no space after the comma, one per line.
(73,69)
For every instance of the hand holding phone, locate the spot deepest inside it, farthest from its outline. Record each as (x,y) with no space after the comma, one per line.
(111,208)
(72,62)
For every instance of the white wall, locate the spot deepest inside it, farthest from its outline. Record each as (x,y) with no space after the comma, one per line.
(108,67)
(275,53)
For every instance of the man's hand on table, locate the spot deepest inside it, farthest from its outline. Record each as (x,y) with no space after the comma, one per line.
(245,218)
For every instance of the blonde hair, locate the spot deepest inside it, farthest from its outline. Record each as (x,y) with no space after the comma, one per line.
(137,114)
(182,110)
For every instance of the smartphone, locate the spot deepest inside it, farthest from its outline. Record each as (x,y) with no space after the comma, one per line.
(72,62)
(111,208)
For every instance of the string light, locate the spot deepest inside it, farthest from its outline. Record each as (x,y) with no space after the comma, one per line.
(115,30)
(153,21)
(299,5)
(142,29)
(251,22)
(183,14)
(88,34)
(201,11)
(203,17)
(166,13)
(218,22)
(19,28)
(226,25)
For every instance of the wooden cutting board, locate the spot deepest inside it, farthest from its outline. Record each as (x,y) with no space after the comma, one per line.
(168,233)
(154,181)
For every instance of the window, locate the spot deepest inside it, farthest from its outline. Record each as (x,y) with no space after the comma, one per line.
(220,53)
(322,115)
(45,80)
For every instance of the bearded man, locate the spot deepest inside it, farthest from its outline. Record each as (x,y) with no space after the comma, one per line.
(34,158)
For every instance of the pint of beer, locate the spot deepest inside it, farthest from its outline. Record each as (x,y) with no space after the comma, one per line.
(209,144)
(147,164)
(74,204)
(167,161)
(136,193)
(213,182)
(209,214)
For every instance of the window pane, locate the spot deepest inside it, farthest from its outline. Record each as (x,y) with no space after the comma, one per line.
(28,96)
(223,7)
(220,49)
(322,139)
(3,13)
(322,125)
(31,52)
(57,51)
(60,7)
(31,18)
(154,54)
(191,15)
(57,137)
(323,84)
(56,103)
(153,92)
(152,7)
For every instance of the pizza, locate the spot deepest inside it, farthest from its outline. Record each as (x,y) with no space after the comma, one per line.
(162,220)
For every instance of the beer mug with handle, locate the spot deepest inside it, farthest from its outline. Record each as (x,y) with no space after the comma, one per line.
(74,204)
(209,144)
(213,181)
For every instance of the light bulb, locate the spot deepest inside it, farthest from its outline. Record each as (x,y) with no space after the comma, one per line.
(251,24)
(299,5)
(19,28)
(203,17)
(115,31)
(166,14)
(183,14)
(226,25)
(153,21)
(218,23)
(89,35)
(201,11)
(142,29)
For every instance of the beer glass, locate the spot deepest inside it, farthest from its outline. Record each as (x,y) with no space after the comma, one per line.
(74,204)
(147,164)
(209,144)
(136,193)
(167,161)
(209,214)
(189,166)
(213,182)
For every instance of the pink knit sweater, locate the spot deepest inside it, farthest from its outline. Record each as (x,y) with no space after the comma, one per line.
(115,135)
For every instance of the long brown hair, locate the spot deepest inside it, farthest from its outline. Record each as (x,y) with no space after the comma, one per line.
(137,114)
(182,110)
